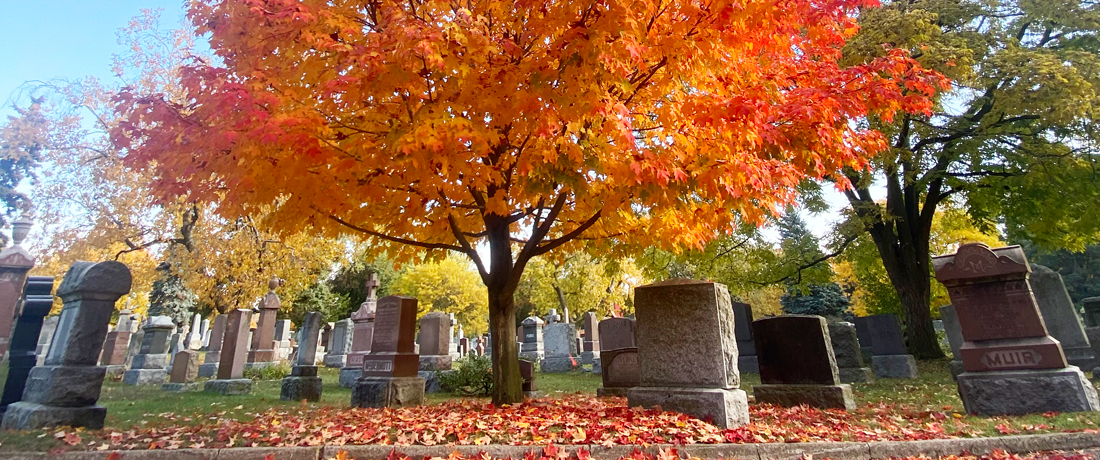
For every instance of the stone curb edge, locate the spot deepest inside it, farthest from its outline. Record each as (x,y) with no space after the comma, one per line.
(762,451)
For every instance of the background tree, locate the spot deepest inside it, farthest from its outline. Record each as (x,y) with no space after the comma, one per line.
(1014,139)
(519,127)
(1080,270)
(449,285)
(317,297)
(577,283)
(21,145)
(169,297)
(349,280)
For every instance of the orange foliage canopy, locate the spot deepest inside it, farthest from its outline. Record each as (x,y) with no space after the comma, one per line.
(438,122)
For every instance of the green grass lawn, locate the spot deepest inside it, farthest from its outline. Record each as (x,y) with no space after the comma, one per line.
(129,407)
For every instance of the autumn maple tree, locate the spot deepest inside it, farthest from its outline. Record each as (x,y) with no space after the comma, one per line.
(518,126)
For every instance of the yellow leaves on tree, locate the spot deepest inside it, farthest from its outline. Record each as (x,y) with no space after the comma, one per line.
(518,125)
(450,285)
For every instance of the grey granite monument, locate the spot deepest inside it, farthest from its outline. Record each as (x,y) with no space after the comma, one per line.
(303,382)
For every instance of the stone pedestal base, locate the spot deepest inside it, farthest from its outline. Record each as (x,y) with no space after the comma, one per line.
(533,356)
(435,362)
(749,364)
(334,360)
(229,387)
(431,380)
(1081,357)
(894,366)
(180,387)
(1027,392)
(387,392)
(597,366)
(29,416)
(856,375)
(64,386)
(150,362)
(725,408)
(145,376)
(115,370)
(956,368)
(820,396)
(299,388)
(260,364)
(588,356)
(348,376)
(558,364)
(613,391)
(207,370)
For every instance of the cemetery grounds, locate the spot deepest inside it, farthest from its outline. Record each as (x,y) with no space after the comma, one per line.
(145,417)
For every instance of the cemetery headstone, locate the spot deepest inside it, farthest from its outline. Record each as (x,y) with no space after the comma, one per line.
(389,377)
(49,325)
(150,366)
(560,342)
(746,348)
(15,263)
(954,335)
(282,340)
(435,357)
(527,374)
(205,335)
(480,348)
(1093,333)
(531,345)
(303,382)
(863,333)
(552,317)
(37,302)
(890,359)
(454,332)
(137,336)
(262,352)
(591,344)
(65,390)
(1060,316)
(619,366)
(849,359)
(362,335)
(1012,366)
(177,343)
(194,335)
(339,344)
(688,352)
(234,353)
(116,346)
(797,365)
(1092,311)
(209,366)
(185,368)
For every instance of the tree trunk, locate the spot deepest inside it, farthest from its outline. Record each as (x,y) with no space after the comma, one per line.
(909,272)
(501,282)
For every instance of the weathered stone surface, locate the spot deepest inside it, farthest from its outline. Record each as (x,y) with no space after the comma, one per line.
(234,351)
(181,387)
(301,388)
(952,329)
(435,362)
(362,335)
(795,349)
(216,337)
(262,350)
(1092,311)
(229,387)
(620,368)
(340,344)
(725,408)
(25,415)
(348,376)
(591,341)
(558,365)
(392,352)
(560,340)
(1027,392)
(308,335)
(432,380)
(617,334)
(1060,316)
(64,386)
(821,396)
(531,347)
(856,375)
(145,376)
(749,364)
(388,392)
(185,368)
(15,263)
(845,345)
(894,366)
(885,334)
(685,335)
(435,337)
(687,352)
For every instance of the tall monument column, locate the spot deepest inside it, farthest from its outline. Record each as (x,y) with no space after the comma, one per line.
(262,352)
(15,263)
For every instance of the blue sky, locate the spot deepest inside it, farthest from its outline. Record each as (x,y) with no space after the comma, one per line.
(64,39)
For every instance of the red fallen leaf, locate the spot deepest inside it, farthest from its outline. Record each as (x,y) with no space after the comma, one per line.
(113,456)
(269,457)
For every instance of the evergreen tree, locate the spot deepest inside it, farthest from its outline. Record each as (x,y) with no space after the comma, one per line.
(827,300)
(169,297)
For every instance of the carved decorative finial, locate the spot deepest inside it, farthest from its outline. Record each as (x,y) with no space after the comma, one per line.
(19,230)
(274,283)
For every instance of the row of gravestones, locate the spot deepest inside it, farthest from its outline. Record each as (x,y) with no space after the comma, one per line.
(688,341)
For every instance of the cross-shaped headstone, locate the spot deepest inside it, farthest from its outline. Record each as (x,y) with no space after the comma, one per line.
(372,287)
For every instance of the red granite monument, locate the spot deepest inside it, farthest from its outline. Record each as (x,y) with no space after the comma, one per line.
(389,376)
(1012,365)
